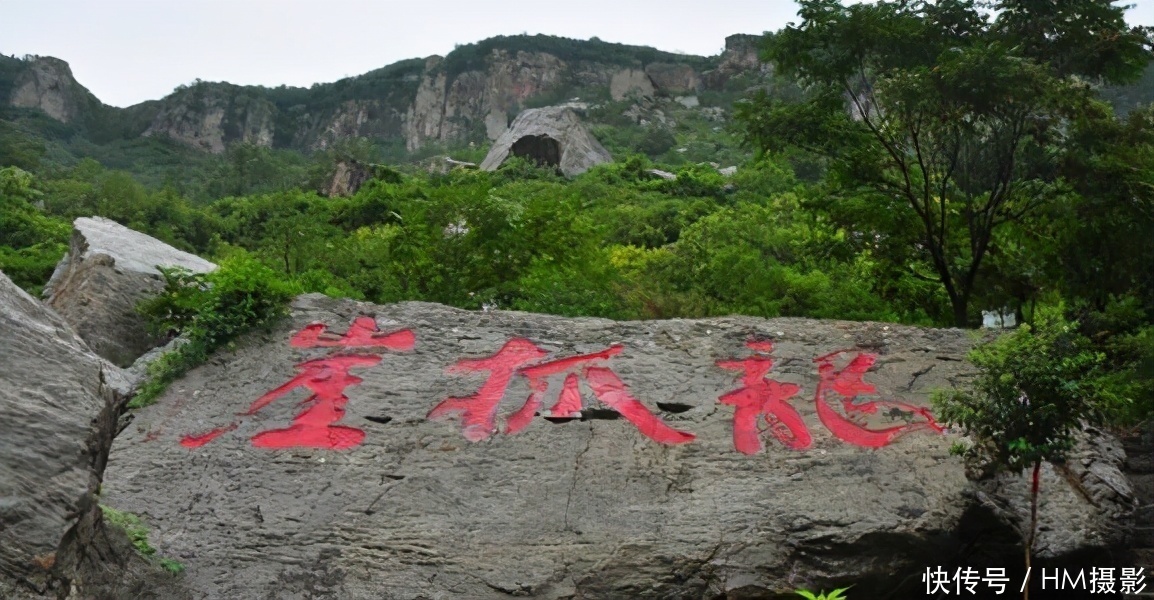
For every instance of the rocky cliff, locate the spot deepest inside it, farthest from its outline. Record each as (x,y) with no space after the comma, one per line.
(471,94)
(47,84)
(210,116)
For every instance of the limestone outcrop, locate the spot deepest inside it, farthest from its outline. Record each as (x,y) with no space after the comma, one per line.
(109,268)
(209,116)
(741,55)
(348,177)
(551,136)
(446,107)
(419,451)
(673,79)
(47,84)
(630,83)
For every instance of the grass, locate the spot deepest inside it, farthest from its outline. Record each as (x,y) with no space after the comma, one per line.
(137,533)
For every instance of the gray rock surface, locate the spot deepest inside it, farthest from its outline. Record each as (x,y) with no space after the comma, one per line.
(207,116)
(58,416)
(552,135)
(48,84)
(662,174)
(673,79)
(566,508)
(628,83)
(348,177)
(1091,476)
(108,269)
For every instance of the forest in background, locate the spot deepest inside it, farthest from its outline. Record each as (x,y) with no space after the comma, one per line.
(831,214)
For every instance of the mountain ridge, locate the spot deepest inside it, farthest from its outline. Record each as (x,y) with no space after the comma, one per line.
(468,95)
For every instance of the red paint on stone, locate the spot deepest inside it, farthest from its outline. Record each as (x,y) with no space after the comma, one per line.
(760,396)
(326,378)
(479,411)
(314,427)
(610,390)
(564,364)
(764,346)
(847,383)
(570,400)
(362,333)
(196,441)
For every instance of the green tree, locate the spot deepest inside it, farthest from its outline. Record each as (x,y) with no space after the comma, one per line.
(948,121)
(1035,388)
(31,242)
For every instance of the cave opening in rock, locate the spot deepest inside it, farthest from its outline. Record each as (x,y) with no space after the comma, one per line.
(541,149)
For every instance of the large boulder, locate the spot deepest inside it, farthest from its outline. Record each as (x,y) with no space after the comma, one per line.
(551,136)
(58,415)
(419,451)
(96,286)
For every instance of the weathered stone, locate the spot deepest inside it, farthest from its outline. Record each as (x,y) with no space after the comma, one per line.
(48,84)
(1092,476)
(108,269)
(348,177)
(57,420)
(496,123)
(209,116)
(459,163)
(447,108)
(741,55)
(549,136)
(673,79)
(585,507)
(662,174)
(628,83)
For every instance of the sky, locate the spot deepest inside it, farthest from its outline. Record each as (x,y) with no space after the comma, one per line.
(129,51)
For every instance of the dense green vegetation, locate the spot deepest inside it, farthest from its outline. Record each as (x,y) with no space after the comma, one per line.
(210,311)
(985,175)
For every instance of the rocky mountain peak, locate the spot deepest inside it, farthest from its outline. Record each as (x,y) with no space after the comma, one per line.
(47,83)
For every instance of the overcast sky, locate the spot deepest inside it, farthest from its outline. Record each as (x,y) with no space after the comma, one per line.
(128,51)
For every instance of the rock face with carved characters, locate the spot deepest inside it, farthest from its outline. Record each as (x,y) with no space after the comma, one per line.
(419,451)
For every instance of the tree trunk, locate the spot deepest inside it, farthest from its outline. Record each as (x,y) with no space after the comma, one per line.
(1033,526)
(961,305)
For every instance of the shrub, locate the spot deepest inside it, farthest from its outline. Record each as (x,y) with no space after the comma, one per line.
(1034,389)
(210,311)
(834,595)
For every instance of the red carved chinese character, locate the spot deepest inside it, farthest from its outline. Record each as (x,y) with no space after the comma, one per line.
(847,383)
(479,411)
(363,332)
(763,396)
(327,379)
